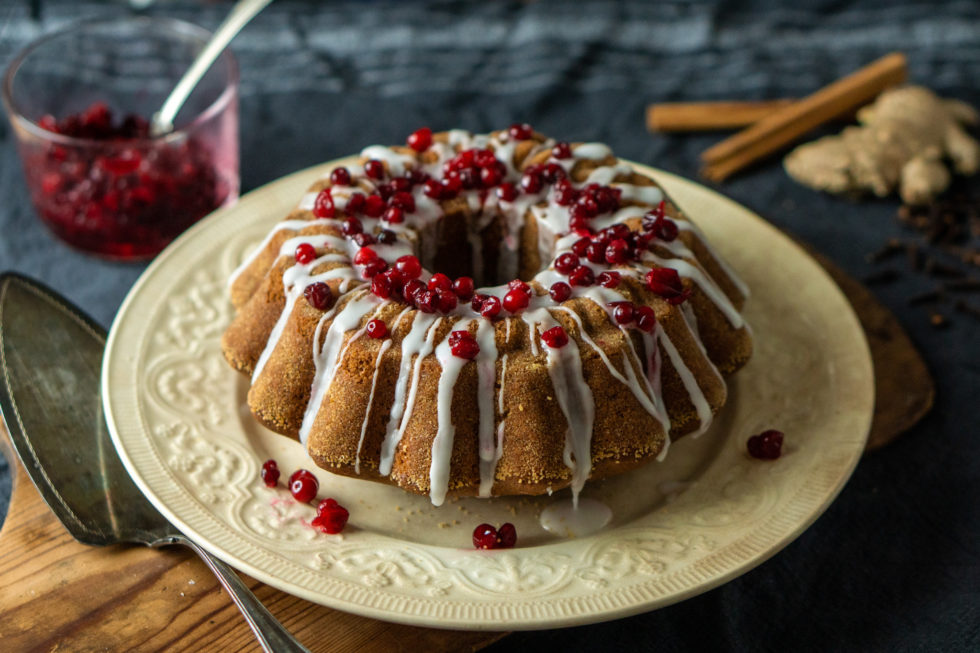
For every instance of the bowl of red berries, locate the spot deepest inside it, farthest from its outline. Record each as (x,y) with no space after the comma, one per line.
(79,102)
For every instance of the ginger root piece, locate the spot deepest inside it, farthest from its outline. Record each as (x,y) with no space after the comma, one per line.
(902,141)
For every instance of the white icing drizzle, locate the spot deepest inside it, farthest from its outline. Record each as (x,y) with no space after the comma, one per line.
(604,175)
(295,225)
(638,391)
(308,201)
(593,151)
(722,263)
(701,406)
(327,360)
(411,346)
(570,519)
(397,162)
(651,195)
(486,370)
(574,398)
(442,444)
(385,346)
(704,282)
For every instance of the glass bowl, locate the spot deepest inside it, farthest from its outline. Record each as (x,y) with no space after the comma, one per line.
(78,101)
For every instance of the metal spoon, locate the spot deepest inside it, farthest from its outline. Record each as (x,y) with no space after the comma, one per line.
(162,121)
(50,357)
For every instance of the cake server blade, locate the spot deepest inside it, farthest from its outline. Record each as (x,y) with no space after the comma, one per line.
(50,362)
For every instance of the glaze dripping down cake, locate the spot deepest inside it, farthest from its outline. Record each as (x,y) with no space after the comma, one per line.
(486,315)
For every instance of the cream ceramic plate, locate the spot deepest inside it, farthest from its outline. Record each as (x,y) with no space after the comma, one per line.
(702,517)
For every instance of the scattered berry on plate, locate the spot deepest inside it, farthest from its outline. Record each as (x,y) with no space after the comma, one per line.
(767,445)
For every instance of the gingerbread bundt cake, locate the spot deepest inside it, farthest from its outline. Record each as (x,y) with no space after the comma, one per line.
(611,333)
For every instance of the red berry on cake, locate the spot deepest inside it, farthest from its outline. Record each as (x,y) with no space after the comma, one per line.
(355,203)
(351,226)
(463,345)
(305,253)
(340,177)
(403,200)
(617,252)
(420,139)
(439,280)
(646,318)
(413,288)
(566,262)
(463,287)
(447,300)
(565,193)
(374,169)
(393,215)
(665,229)
(581,246)
(581,276)
(560,291)
(381,287)
(516,299)
(409,266)
(507,192)
(323,204)
(562,150)
(319,296)
(374,206)
(432,189)
(555,337)
(490,307)
(364,255)
(427,301)
(624,312)
(376,328)
(667,283)
(608,279)
(362,239)
(520,131)
(531,182)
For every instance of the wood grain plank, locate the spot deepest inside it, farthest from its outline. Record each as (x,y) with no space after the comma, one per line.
(57,594)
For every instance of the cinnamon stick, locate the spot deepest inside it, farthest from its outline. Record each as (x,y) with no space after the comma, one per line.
(709,116)
(788,124)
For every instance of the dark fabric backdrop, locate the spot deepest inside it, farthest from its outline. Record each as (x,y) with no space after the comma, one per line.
(894,564)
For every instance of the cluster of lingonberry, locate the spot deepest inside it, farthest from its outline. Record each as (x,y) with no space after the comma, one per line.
(391,200)
(122,194)
(517,298)
(401,282)
(331,517)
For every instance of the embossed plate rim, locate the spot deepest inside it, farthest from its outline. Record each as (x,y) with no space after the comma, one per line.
(569,604)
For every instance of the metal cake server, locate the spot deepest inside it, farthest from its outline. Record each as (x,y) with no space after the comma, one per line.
(50,361)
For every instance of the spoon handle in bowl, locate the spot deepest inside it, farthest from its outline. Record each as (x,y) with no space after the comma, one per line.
(271,634)
(241,13)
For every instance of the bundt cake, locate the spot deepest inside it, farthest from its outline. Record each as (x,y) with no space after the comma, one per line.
(611,333)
